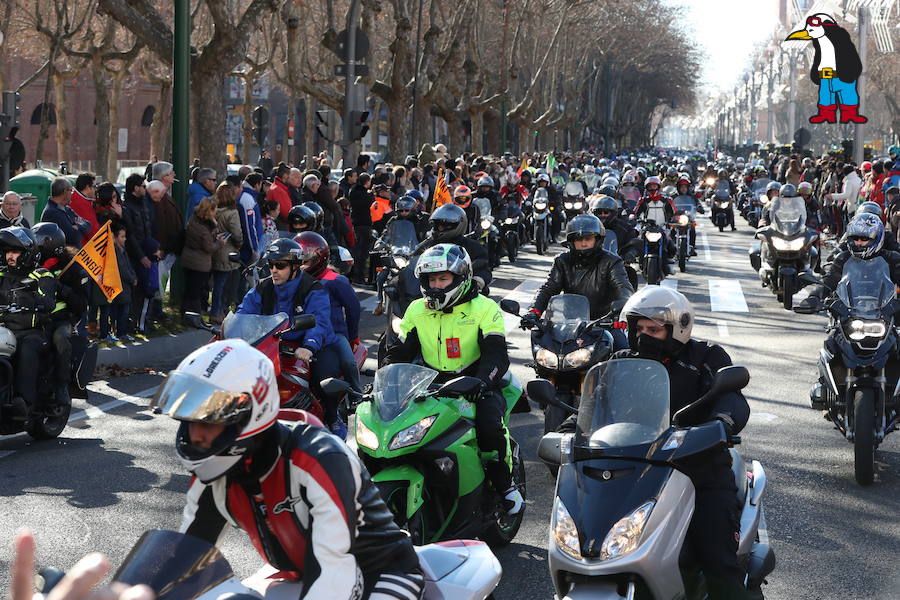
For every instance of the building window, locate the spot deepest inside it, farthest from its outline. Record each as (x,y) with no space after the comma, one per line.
(36,115)
(147,117)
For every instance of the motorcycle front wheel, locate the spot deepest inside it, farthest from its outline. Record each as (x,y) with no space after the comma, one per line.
(394,495)
(504,528)
(864,435)
(46,425)
(682,256)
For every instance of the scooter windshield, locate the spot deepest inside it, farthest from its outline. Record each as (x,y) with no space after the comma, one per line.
(174,565)
(687,207)
(866,286)
(574,188)
(397,384)
(566,313)
(624,402)
(401,237)
(251,328)
(788,215)
(611,243)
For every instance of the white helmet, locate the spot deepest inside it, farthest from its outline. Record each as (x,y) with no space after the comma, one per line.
(663,305)
(227,382)
(7,342)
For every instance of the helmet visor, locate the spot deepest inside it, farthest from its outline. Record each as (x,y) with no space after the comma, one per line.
(188,398)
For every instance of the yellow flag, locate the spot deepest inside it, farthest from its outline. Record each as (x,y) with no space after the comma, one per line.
(98,257)
(441,191)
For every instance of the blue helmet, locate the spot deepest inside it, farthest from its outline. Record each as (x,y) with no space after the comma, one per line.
(865,235)
(415,194)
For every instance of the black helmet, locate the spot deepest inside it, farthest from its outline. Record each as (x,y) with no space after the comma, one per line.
(448,222)
(789,190)
(405,203)
(301,215)
(318,212)
(50,240)
(285,250)
(19,238)
(671,172)
(606,190)
(583,226)
(606,205)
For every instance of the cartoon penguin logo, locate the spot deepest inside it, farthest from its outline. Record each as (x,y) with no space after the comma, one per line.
(835,69)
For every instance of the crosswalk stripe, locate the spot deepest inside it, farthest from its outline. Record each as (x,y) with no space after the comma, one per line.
(704,243)
(670,283)
(726,295)
(723,329)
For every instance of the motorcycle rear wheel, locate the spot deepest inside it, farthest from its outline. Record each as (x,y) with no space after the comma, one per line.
(45,427)
(864,435)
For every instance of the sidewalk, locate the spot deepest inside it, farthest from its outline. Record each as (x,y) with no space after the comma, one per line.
(165,350)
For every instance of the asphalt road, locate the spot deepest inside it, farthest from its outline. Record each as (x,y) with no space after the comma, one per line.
(113,473)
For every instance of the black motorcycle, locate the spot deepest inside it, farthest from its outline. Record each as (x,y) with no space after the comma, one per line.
(786,248)
(573,204)
(509,220)
(652,244)
(540,219)
(401,287)
(857,386)
(722,213)
(565,344)
(684,221)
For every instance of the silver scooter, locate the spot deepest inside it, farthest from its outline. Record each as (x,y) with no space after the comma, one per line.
(622,507)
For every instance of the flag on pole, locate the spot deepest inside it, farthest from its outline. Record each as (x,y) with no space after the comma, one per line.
(522,167)
(551,164)
(98,257)
(441,191)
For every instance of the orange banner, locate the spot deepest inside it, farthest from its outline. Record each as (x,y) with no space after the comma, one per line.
(441,191)
(98,257)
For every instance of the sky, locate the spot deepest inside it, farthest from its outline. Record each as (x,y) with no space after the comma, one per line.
(726,31)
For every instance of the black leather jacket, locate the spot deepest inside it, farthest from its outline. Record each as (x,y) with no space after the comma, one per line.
(481,268)
(35,300)
(601,278)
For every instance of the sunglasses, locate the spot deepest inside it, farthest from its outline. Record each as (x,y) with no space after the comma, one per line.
(817,22)
(279,265)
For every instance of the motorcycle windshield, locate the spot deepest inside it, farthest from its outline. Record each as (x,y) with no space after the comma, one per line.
(788,215)
(866,286)
(174,565)
(566,313)
(687,207)
(624,402)
(611,243)
(574,188)
(395,385)
(401,237)
(251,328)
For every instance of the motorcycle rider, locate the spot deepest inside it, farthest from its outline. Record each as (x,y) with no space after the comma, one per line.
(448,226)
(301,495)
(653,205)
(660,321)
(773,189)
(292,291)
(462,197)
(404,210)
(300,219)
(760,180)
(586,269)
(684,196)
(32,292)
(671,177)
(554,203)
(607,210)
(471,340)
(805,191)
(722,195)
(485,189)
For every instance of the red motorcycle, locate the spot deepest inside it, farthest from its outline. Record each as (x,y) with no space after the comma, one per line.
(265,333)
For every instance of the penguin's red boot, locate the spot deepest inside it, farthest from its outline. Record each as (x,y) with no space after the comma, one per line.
(849,114)
(827,114)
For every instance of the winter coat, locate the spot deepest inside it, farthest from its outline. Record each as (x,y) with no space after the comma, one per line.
(600,278)
(229,221)
(360,201)
(280,194)
(196,193)
(168,229)
(200,244)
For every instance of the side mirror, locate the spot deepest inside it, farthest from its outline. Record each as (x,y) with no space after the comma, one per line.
(541,391)
(334,387)
(303,322)
(459,386)
(616,306)
(553,448)
(510,306)
(234,257)
(729,379)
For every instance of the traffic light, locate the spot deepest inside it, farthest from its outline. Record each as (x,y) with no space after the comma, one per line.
(358,125)
(260,124)
(11,107)
(325,124)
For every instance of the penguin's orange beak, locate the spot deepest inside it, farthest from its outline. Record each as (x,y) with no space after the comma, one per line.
(800,34)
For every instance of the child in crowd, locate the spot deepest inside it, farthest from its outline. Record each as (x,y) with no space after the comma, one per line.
(115,313)
(270,227)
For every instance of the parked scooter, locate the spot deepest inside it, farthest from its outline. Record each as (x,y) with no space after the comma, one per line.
(181,567)
(785,250)
(858,390)
(622,507)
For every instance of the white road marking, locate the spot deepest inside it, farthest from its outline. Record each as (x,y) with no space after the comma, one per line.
(723,329)
(704,243)
(763,417)
(523,294)
(670,283)
(726,295)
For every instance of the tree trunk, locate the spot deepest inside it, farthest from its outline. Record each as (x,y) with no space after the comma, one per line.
(247,127)
(477,119)
(423,123)
(62,125)
(398,120)
(115,97)
(45,115)
(525,136)
(101,117)
(160,125)
(207,112)
(492,123)
(310,129)
(456,134)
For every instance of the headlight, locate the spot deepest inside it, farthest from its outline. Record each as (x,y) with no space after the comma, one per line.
(509,221)
(653,236)
(577,206)
(485,224)
(365,437)
(683,219)
(858,329)
(540,205)
(626,533)
(577,358)
(395,324)
(791,245)
(568,205)
(710,181)
(412,435)
(400,261)
(722,204)
(545,358)
(565,532)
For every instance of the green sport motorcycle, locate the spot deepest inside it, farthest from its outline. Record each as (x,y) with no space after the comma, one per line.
(418,442)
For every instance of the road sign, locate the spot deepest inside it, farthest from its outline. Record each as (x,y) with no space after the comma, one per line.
(260,116)
(362,44)
(340,70)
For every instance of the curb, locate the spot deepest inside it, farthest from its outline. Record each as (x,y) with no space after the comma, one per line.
(164,350)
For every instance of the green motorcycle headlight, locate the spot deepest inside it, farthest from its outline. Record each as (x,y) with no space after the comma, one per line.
(365,437)
(412,435)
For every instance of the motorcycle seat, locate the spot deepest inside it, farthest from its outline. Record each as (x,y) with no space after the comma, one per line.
(739,469)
